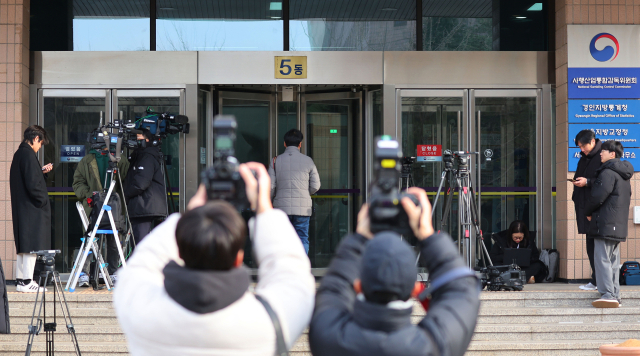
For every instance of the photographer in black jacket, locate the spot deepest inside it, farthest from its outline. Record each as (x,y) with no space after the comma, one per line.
(364,303)
(144,186)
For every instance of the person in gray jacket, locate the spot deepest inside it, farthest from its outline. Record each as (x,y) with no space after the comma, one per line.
(294,178)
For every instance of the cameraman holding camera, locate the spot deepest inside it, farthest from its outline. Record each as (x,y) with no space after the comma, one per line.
(185,292)
(91,176)
(364,304)
(144,187)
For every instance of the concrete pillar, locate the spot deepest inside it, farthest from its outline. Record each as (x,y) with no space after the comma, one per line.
(14,110)
(574,264)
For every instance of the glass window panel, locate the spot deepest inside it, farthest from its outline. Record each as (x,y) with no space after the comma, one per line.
(287,120)
(252,116)
(325,35)
(456,34)
(98,34)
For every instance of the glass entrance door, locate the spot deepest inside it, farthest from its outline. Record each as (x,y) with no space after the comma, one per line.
(328,124)
(67,116)
(498,124)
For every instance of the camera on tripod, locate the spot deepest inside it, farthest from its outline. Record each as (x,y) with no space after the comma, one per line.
(223,180)
(385,211)
(162,124)
(48,257)
(462,158)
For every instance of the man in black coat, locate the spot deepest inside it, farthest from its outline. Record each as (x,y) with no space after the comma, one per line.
(608,213)
(30,206)
(585,174)
(364,303)
(144,186)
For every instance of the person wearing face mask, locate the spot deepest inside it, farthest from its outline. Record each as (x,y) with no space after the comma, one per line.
(519,236)
(144,186)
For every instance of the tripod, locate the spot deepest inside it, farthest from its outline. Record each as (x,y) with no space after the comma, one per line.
(168,187)
(89,245)
(40,304)
(467,210)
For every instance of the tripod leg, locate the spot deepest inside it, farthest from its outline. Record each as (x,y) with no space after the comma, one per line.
(75,274)
(126,212)
(57,287)
(484,253)
(435,201)
(34,329)
(101,267)
(117,238)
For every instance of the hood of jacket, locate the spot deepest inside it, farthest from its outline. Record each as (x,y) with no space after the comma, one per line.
(595,151)
(380,317)
(149,150)
(623,168)
(205,292)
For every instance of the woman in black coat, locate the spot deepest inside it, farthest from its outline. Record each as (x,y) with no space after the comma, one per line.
(518,236)
(30,206)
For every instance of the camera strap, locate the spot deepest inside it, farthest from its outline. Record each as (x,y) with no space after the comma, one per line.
(281,347)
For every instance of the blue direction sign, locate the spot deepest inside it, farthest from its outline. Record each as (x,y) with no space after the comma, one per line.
(604,111)
(612,83)
(630,154)
(627,134)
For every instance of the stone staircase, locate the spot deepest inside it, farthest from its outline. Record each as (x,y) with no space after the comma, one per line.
(540,322)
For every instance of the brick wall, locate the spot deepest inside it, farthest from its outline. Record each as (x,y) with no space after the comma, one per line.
(574,263)
(14,110)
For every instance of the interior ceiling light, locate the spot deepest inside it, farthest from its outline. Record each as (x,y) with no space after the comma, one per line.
(275,6)
(389,9)
(536,7)
(276,17)
(167,8)
(521,17)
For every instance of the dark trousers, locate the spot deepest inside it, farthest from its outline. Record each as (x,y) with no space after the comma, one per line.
(141,227)
(112,257)
(590,254)
(536,269)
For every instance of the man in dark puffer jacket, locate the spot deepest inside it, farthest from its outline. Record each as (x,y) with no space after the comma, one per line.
(364,304)
(608,213)
(144,186)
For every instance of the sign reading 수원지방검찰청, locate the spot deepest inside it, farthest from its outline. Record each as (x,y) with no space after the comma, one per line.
(603,87)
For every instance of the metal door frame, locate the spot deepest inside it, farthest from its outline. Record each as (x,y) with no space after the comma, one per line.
(470,137)
(271,98)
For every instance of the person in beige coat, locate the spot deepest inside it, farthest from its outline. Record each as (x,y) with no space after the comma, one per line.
(294,178)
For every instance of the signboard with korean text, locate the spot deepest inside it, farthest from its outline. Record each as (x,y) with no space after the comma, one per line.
(429,153)
(627,134)
(604,111)
(291,67)
(603,88)
(71,153)
(630,154)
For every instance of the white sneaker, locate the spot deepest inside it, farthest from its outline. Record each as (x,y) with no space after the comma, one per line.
(588,286)
(605,303)
(30,288)
(83,280)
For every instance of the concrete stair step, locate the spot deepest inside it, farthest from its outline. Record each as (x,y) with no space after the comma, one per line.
(84,333)
(560,331)
(542,315)
(538,348)
(63,347)
(551,299)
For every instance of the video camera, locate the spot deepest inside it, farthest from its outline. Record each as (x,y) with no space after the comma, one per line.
(48,257)
(463,159)
(162,124)
(223,180)
(508,278)
(385,211)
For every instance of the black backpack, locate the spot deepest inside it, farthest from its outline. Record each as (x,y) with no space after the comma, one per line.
(97,200)
(630,273)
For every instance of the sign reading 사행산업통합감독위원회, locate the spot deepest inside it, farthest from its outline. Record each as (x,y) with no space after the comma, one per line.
(604,72)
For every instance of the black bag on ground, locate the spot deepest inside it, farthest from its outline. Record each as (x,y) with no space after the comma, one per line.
(97,200)
(551,259)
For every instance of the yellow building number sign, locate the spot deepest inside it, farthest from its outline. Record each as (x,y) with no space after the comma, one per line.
(291,67)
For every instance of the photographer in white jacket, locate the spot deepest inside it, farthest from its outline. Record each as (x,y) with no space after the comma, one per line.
(185,292)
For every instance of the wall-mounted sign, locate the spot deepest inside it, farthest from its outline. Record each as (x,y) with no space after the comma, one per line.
(614,83)
(630,154)
(429,153)
(71,153)
(604,111)
(291,67)
(627,134)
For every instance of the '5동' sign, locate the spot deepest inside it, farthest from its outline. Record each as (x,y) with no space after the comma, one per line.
(291,67)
